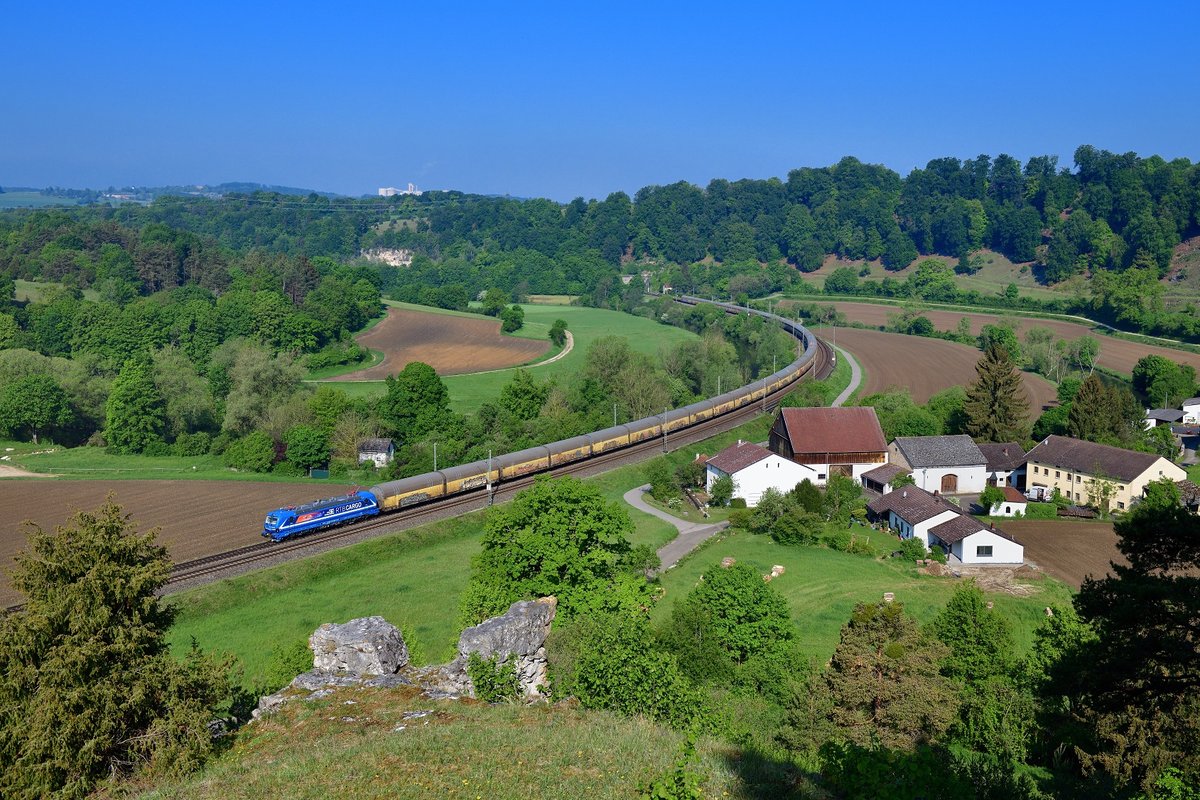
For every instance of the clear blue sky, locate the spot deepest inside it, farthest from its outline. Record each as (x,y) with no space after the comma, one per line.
(547,100)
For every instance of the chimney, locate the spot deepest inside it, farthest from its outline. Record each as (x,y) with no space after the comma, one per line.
(740,442)
(904,493)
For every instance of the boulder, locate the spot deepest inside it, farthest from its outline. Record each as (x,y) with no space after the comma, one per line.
(516,637)
(366,646)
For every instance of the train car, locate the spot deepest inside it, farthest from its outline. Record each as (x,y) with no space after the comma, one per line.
(285,522)
(467,477)
(394,495)
(642,429)
(568,450)
(723,404)
(522,462)
(700,411)
(678,419)
(609,439)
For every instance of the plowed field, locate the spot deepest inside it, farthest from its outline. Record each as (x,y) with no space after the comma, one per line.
(921,365)
(1115,354)
(450,344)
(197,518)
(1070,550)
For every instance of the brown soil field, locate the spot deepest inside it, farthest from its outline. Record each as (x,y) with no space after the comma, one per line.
(1070,550)
(451,345)
(1115,354)
(197,518)
(921,365)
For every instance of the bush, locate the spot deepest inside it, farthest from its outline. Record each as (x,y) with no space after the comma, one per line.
(720,491)
(808,496)
(157,448)
(285,664)
(289,468)
(494,682)
(1041,511)
(737,502)
(913,549)
(742,518)
(192,444)
(838,539)
(255,452)
(937,554)
(797,528)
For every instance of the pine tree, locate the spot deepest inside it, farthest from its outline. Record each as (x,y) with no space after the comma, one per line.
(885,683)
(87,683)
(996,404)
(134,413)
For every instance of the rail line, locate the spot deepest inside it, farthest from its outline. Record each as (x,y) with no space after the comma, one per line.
(219,565)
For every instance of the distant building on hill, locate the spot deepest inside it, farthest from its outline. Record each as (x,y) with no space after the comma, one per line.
(392,191)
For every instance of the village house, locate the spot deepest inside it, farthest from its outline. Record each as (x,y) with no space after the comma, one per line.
(830,441)
(1005,463)
(753,469)
(1093,474)
(379,452)
(945,464)
(1191,411)
(1162,416)
(916,513)
(1014,504)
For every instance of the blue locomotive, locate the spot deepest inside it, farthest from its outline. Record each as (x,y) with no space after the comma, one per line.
(284,522)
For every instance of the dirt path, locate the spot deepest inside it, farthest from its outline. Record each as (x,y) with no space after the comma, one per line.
(691,534)
(16,472)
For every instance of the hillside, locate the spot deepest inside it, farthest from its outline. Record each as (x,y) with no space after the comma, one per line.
(372,743)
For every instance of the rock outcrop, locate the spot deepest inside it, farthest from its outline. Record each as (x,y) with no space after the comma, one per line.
(371,652)
(367,646)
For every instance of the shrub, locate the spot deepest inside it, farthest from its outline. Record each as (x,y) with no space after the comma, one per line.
(286,663)
(838,539)
(808,496)
(937,554)
(913,549)
(721,491)
(797,528)
(192,444)
(494,682)
(288,468)
(742,518)
(737,502)
(157,448)
(255,452)
(1041,511)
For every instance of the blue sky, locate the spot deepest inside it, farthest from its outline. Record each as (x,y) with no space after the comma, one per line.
(562,100)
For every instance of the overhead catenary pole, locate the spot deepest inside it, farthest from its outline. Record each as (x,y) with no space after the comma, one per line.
(435,456)
(488,477)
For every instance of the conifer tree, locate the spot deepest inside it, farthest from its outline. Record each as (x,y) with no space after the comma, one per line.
(996,406)
(88,686)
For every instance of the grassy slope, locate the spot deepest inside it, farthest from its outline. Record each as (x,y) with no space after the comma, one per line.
(463,750)
(32,200)
(468,392)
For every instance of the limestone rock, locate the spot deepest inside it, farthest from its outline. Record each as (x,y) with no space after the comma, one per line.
(516,637)
(366,646)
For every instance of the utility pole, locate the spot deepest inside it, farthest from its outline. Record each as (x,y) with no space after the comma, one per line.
(488,477)
(664,429)
(435,456)
(614,415)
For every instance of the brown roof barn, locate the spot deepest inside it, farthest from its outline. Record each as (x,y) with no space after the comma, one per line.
(822,435)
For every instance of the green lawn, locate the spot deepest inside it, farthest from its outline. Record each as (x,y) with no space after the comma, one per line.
(35,291)
(822,586)
(469,392)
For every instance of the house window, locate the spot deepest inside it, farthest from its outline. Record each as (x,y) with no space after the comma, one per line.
(1008,509)
(1077,497)
(983,551)
(1069,478)
(1056,473)
(1035,472)
(820,476)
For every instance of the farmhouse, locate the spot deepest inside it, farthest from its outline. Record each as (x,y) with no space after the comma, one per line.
(1162,416)
(1005,462)
(379,452)
(946,464)
(1191,411)
(1013,504)
(754,469)
(917,513)
(1094,474)
(830,441)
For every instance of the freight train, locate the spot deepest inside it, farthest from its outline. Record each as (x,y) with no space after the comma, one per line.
(431,486)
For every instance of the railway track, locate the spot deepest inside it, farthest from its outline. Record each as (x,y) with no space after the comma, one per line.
(234,561)
(198,571)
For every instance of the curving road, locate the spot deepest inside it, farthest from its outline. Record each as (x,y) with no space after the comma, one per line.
(691,534)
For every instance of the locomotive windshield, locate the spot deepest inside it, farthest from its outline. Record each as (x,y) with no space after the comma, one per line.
(272,519)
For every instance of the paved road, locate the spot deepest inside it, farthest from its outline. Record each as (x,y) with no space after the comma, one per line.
(855,378)
(690,535)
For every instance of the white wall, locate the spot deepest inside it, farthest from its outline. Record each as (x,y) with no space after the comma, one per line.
(1004,551)
(773,472)
(1007,508)
(970,479)
(856,471)
(921,529)
(1191,414)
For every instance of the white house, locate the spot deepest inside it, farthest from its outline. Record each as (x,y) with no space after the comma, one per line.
(1087,473)
(1162,416)
(913,512)
(1013,504)
(946,464)
(1191,411)
(379,452)
(971,542)
(830,441)
(917,513)
(1005,462)
(754,469)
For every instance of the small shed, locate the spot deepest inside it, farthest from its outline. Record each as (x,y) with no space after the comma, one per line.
(880,479)
(380,452)
(1013,504)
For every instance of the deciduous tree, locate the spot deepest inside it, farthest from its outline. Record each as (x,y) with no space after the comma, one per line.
(134,413)
(33,406)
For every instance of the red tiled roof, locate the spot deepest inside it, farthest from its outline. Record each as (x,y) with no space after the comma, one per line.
(885,473)
(738,456)
(1012,495)
(912,504)
(833,430)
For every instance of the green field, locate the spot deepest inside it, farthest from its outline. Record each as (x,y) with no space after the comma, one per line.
(32,200)
(469,392)
(35,290)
